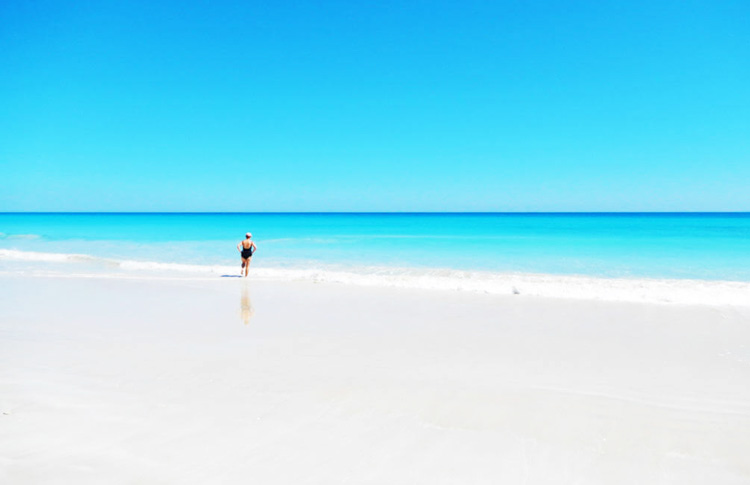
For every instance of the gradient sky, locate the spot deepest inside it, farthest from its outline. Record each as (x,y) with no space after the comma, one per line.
(375,106)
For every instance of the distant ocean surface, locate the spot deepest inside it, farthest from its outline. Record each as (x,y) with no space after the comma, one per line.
(681,246)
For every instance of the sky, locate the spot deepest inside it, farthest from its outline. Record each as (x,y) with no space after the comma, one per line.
(375,106)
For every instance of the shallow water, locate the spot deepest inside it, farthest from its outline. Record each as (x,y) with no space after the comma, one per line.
(710,246)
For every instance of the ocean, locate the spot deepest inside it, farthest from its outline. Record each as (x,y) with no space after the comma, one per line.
(418,247)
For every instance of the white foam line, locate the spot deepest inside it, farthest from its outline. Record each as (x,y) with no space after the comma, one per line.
(542,285)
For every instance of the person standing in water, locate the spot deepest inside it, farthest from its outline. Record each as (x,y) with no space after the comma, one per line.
(246,248)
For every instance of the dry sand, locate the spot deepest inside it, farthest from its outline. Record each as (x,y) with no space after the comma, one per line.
(108,380)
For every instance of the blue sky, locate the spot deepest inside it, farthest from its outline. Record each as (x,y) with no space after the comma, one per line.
(375,106)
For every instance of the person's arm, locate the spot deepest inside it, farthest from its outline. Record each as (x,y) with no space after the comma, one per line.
(239,246)
(255,247)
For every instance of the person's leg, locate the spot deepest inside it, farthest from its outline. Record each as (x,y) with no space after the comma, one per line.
(247,264)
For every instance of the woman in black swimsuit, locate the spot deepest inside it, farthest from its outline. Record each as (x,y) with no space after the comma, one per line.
(246,248)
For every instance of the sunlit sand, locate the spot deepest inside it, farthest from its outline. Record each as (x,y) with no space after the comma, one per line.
(235,381)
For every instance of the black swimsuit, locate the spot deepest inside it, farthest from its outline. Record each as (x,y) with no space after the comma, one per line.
(247,253)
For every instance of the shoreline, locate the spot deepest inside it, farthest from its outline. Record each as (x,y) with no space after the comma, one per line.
(575,287)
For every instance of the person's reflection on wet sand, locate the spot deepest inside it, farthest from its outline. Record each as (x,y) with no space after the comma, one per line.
(246,307)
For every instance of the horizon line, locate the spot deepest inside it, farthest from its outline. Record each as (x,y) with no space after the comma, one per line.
(365,212)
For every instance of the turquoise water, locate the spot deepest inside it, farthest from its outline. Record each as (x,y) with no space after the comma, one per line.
(695,246)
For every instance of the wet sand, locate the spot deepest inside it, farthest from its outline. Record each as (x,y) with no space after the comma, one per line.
(224,380)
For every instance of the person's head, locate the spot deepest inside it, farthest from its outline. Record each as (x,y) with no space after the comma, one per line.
(248,235)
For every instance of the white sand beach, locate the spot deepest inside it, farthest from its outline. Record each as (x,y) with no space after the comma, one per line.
(224,380)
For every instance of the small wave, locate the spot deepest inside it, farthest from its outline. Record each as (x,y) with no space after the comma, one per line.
(15,255)
(39,257)
(19,236)
(518,284)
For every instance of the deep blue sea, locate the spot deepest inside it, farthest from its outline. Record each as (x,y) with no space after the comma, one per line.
(710,246)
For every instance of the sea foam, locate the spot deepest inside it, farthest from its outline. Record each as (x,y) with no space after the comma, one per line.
(680,291)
